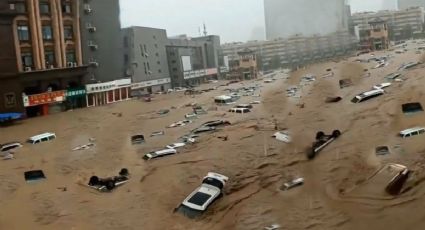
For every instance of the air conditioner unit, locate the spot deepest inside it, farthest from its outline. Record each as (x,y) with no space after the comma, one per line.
(27,69)
(51,67)
(70,64)
(87,8)
(75,64)
(94,63)
(149,72)
(90,27)
(92,45)
(146,55)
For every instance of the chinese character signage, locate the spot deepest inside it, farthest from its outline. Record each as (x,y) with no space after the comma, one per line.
(44,98)
(76,92)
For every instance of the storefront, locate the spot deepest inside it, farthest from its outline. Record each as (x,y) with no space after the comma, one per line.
(149,87)
(108,92)
(76,97)
(46,103)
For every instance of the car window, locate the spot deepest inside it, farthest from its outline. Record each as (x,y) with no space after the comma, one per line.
(37,141)
(9,148)
(415,133)
(421,131)
(52,137)
(44,139)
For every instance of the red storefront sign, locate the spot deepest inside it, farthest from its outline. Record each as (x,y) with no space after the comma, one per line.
(45,98)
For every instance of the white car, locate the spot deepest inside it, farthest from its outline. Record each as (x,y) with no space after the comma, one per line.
(203,196)
(179,89)
(179,124)
(382,85)
(10,146)
(293,183)
(175,146)
(160,153)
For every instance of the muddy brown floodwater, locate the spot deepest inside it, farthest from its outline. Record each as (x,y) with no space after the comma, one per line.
(338,192)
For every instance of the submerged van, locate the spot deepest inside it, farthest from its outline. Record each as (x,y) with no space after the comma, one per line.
(42,138)
(412,132)
(367,95)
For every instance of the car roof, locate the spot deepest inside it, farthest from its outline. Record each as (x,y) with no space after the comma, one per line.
(209,190)
(371,92)
(414,129)
(10,143)
(39,136)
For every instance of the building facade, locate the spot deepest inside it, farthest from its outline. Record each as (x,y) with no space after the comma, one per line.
(192,61)
(41,60)
(402,24)
(145,59)
(245,68)
(376,38)
(295,51)
(287,18)
(405,4)
(101,39)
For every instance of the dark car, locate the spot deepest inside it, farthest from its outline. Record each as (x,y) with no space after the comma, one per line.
(137,139)
(216,123)
(108,184)
(322,140)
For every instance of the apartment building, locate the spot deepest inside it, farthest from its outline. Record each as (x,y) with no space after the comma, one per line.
(145,59)
(41,60)
(192,61)
(405,4)
(101,40)
(402,24)
(294,51)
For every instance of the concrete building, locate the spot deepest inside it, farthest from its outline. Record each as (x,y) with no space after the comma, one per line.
(245,68)
(376,38)
(101,39)
(402,24)
(192,61)
(405,4)
(41,63)
(145,59)
(295,51)
(286,18)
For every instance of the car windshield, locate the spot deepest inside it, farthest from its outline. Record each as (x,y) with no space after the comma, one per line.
(199,198)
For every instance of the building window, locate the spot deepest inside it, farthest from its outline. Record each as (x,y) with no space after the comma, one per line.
(154,37)
(158,62)
(172,53)
(157,54)
(44,8)
(66,7)
(146,70)
(159,71)
(68,32)
(125,59)
(47,33)
(19,7)
(173,61)
(149,67)
(70,56)
(156,45)
(49,57)
(175,69)
(125,41)
(146,50)
(23,33)
(27,59)
(141,51)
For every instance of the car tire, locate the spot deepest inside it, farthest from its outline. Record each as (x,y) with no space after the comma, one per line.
(319,135)
(311,154)
(94,180)
(336,133)
(110,184)
(124,172)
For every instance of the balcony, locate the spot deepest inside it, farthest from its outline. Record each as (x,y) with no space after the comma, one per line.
(93,46)
(91,28)
(87,9)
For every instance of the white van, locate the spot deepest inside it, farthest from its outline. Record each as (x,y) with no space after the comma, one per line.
(160,153)
(367,95)
(41,138)
(239,110)
(412,132)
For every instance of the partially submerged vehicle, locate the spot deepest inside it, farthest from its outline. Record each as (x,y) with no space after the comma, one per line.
(282,136)
(412,132)
(204,129)
(34,175)
(322,140)
(395,185)
(7,118)
(343,83)
(216,123)
(108,184)
(175,145)
(382,150)
(179,123)
(293,183)
(42,138)
(7,147)
(411,108)
(137,139)
(333,99)
(159,153)
(382,85)
(224,100)
(157,133)
(367,95)
(202,197)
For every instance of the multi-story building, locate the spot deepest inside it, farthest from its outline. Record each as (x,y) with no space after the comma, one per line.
(41,60)
(145,59)
(294,51)
(286,18)
(376,38)
(405,4)
(192,61)
(402,24)
(101,39)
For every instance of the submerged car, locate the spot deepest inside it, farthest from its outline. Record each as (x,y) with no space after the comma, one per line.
(9,146)
(159,153)
(216,123)
(292,184)
(108,184)
(203,196)
(322,140)
(175,145)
